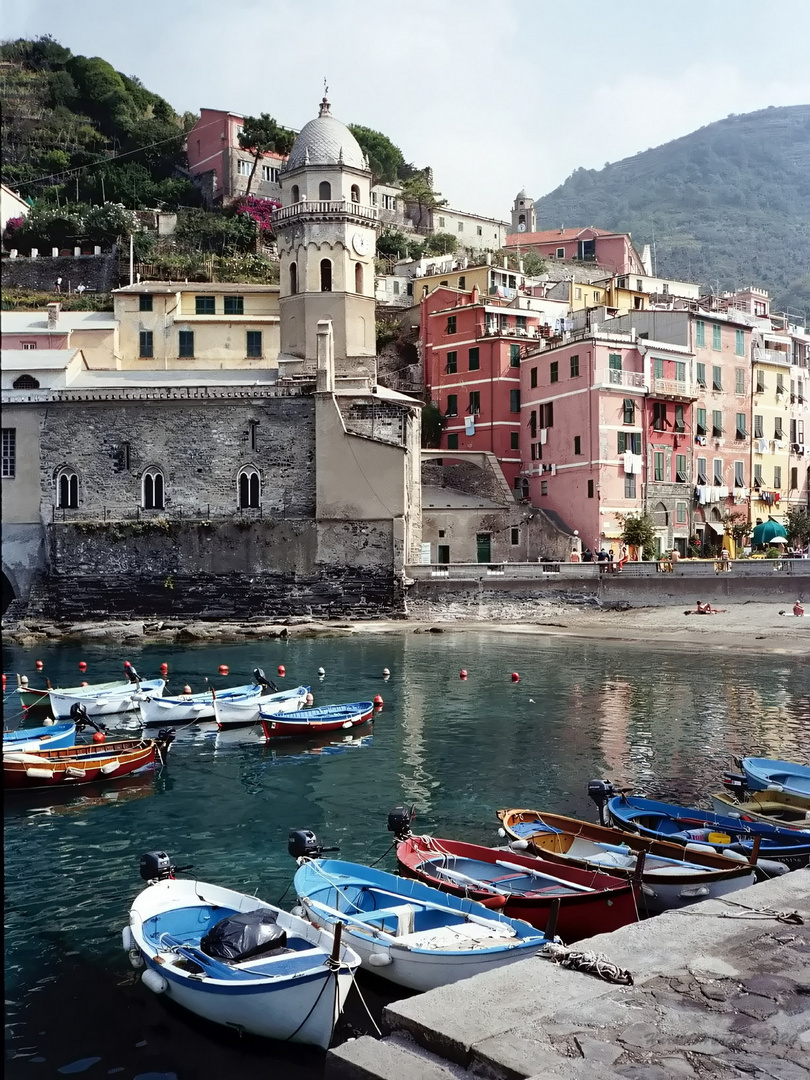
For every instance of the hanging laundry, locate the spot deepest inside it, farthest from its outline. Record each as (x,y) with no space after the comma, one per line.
(543,435)
(628,462)
(553,470)
(700,440)
(469,425)
(722,492)
(637,464)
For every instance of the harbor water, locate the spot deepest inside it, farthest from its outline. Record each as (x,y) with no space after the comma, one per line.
(663,721)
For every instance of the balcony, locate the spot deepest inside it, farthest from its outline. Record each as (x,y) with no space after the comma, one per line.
(323,208)
(771,356)
(672,388)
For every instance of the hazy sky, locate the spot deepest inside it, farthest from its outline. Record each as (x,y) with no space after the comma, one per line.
(494,95)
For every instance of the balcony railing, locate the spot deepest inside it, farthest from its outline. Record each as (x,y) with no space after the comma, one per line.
(771,356)
(319,207)
(673,388)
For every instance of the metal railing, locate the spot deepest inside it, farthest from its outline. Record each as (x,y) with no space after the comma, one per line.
(617,377)
(673,388)
(771,356)
(689,568)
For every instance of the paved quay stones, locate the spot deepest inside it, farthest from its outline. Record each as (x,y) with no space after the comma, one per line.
(721,990)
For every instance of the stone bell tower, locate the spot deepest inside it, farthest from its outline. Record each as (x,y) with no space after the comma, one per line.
(523,215)
(327,235)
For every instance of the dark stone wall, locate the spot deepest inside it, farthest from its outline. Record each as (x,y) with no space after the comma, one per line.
(97,272)
(270,568)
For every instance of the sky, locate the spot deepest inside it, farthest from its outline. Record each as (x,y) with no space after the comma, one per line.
(494,96)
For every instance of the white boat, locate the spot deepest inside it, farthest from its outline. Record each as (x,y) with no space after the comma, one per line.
(236,960)
(407,932)
(232,713)
(104,699)
(185,708)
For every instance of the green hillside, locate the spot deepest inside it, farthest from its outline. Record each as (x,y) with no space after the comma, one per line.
(728,205)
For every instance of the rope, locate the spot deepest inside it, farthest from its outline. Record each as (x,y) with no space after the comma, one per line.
(793,918)
(365,1006)
(589,962)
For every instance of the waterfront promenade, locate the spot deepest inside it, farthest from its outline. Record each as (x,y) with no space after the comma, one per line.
(721,990)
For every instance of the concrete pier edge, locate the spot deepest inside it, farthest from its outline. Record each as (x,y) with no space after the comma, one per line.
(720,990)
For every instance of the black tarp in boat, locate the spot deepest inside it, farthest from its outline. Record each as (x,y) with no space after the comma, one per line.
(239,937)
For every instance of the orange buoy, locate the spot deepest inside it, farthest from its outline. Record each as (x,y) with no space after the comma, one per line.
(85,683)
(223,669)
(282,670)
(186,689)
(378,699)
(515,677)
(39,665)
(463,673)
(98,736)
(82,665)
(4,680)
(164,669)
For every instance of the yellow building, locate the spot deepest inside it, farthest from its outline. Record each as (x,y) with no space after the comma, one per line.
(587,294)
(770,448)
(197,325)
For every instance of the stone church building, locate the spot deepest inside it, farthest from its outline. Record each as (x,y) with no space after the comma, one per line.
(269,479)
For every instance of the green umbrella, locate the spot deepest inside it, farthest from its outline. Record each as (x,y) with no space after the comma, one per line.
(765,533)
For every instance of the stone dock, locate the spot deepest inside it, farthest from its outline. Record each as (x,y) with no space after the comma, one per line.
(721,990)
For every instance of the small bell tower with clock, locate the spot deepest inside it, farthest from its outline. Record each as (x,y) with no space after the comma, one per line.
(327,236)
(523,216)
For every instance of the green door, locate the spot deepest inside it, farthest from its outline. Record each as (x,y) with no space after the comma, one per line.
(483,543)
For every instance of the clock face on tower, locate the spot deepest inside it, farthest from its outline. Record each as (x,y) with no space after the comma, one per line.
(522,227)
(361,242)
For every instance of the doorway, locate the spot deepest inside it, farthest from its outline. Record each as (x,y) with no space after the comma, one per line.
(483,545)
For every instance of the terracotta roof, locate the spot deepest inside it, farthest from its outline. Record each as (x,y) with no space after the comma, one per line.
(548,236)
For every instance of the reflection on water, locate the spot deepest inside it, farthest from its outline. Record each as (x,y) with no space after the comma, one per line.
(665,723)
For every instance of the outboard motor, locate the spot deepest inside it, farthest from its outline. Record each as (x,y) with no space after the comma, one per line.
(736,783)
(267,685)
(304,844)
(163,742)
(158,866)
(601,791)
(78,713)
(399,822)
(131,673)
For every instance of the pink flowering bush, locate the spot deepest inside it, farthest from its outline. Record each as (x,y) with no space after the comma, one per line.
(260,210)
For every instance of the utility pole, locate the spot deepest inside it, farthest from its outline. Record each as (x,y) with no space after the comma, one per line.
(131,259)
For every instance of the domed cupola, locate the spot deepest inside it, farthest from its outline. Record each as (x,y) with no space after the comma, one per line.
(326,141)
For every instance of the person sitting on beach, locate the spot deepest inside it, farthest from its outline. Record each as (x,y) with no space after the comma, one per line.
(704,609)
(797,608)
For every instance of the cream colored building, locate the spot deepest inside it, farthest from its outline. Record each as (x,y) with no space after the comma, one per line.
(94,332)
(197,325)
(771,358)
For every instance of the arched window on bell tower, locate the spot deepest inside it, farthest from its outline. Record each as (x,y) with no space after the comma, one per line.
(324,191)
(355,193)
(295,193)
(358,277)
(293,279)
(326,275)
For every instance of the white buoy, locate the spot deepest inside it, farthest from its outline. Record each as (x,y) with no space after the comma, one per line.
(156,983)
(321,671)
(379,959)
(127,939)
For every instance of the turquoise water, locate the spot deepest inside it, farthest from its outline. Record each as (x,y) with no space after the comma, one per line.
(661,721)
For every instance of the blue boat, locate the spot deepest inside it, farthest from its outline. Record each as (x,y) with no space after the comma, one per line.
(787,776)
(44,737)
(685,825)
(405,931)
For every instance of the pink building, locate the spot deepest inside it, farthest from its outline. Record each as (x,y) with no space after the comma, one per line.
(606,431)
(472,355)
(221,168)
(613,251)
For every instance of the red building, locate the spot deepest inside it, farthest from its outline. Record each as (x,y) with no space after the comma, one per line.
(472,349)
(613,251)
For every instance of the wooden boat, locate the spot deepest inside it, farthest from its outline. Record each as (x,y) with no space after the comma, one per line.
(774,807)
(236,960)
(82,764)
(103,699)
(159,710)
(44,737)
(407,932)
(766,773)
(684,824)
(230,713)
(320,721)
(31,697)
(522,886)
(673,875)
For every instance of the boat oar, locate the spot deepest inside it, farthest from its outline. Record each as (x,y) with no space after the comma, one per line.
(543,874)
(456,875)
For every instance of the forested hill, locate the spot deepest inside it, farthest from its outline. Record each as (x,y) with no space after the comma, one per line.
(728,205)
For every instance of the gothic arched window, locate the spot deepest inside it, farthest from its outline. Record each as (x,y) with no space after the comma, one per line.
(295,193)
(326,275)
(355,193)
(249,485)
(152,490)
(293,279)
(67,490)
(358,277)
(324,191)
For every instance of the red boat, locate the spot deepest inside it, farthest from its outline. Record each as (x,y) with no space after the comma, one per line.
(83,764)
(308,722)
(521,886)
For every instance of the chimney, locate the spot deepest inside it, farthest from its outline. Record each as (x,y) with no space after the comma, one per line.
(476,295)
(506,262)
(489,258)
(326,357)
(53,315)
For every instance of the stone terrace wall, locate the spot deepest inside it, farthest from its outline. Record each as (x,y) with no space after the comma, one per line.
(99,273)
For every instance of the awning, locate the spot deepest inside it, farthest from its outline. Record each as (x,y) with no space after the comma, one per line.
(718,528)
